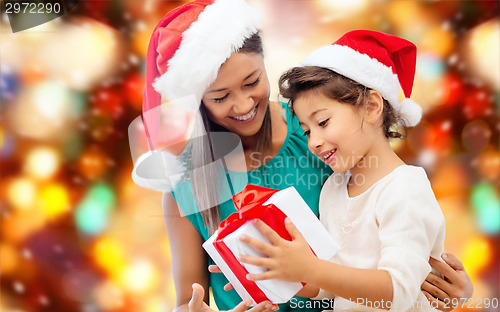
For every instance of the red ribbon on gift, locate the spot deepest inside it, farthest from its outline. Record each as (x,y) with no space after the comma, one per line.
(249,204)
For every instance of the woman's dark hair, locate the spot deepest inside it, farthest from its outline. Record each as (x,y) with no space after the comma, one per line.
(298,80)
(203,186)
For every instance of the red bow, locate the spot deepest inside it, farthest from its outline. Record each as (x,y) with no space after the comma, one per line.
(249,204)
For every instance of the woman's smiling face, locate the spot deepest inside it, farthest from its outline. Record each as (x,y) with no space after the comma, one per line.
(238,98)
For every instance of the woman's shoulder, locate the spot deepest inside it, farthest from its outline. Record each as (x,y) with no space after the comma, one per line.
(278,112)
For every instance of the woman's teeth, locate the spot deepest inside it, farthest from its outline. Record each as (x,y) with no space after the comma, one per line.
(247,116)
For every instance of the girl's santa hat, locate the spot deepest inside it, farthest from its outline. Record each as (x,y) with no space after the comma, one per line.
(382,62)
(185,52)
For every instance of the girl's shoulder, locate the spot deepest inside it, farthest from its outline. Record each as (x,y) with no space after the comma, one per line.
(405,181)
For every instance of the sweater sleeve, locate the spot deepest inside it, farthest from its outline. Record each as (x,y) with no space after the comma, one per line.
(411,227)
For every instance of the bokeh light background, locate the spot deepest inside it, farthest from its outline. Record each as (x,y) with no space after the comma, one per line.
(78,235)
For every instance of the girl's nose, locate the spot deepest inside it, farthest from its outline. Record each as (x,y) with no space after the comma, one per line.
(315,142)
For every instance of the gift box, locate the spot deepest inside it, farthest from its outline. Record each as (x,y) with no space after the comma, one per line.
(272,207)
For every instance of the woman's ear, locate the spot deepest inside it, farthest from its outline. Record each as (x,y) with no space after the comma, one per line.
(374,107)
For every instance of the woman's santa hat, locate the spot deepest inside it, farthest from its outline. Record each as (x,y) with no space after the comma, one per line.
(185,52)
(189,45)
(382,62)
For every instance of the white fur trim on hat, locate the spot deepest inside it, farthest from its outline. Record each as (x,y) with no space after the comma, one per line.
(368,72)
(220,30)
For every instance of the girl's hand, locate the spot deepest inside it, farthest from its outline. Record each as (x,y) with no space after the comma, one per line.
(196,304)
(286,260)
(456,287)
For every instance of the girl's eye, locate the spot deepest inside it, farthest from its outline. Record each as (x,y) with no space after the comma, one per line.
(253,83)
(324,122)
(306,133)
(219,100)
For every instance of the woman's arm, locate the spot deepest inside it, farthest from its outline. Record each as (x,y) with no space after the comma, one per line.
(189,264)
(452,290)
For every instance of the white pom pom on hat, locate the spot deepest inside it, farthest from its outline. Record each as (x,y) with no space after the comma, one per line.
(380,61)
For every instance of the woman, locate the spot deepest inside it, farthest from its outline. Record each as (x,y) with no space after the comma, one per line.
(210,51)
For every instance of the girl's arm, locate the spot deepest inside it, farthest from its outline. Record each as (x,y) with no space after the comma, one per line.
(189,264)
(294,261)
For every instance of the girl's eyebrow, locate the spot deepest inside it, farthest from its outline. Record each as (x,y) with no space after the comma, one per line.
(312,114)
(315,112)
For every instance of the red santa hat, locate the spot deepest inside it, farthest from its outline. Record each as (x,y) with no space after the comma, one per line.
(189,45)
(382,62)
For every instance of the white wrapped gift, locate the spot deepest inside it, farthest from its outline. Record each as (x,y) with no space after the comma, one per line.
(292,205)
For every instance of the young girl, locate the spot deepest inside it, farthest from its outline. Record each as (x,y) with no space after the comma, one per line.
(381,211)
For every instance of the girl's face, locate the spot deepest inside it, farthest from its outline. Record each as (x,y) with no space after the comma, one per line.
(334,130)
(238,98)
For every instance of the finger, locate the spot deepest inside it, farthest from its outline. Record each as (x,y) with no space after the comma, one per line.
(452,261)
(196,302)
(444,269)
(439,282)
(435,291)
(262,276)
(257,244)
(435,303)
(258,261)
(228,287)
(268,232)
(214,269)
(292,230)
(242,306)
(265,306)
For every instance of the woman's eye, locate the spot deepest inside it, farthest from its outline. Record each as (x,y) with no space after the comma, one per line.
(253,83)
(219,100)
(323,123)
(306,133)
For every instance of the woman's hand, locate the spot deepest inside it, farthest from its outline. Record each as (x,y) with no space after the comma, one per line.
(196,304)
(215,269)
(286,260)
(452,290)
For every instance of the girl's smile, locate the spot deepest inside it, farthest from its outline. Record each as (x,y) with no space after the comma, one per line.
(328,156)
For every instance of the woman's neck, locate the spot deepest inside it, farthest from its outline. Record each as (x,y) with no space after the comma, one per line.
(249,143)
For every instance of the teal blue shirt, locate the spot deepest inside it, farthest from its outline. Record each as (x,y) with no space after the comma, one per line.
(294,165)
